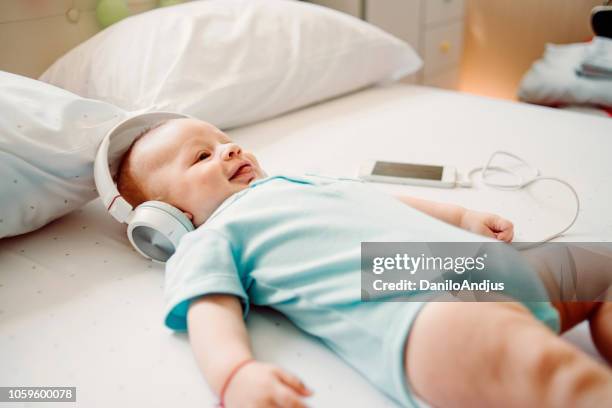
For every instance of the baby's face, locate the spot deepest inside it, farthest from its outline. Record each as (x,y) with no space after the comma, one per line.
(194,166)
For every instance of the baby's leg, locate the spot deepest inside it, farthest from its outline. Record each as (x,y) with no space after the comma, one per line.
(582,272)
(498,354)
(574,272)
(601,330)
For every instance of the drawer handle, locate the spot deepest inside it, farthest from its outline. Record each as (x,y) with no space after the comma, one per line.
(445,46)
(73,15)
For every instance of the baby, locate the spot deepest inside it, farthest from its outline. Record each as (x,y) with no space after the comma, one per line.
(293,243)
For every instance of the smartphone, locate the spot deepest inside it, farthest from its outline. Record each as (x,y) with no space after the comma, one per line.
(409,173)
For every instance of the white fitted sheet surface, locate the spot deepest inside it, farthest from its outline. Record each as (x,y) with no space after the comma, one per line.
(78,307)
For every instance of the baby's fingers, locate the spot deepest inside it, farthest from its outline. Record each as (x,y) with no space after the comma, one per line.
(506,230)
(506,236)
(293,382)
(499,224)
(501,228)
(285,397)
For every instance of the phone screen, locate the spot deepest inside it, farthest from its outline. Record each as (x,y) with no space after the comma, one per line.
(406,170)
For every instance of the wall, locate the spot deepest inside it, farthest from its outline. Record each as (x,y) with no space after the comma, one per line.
(504,37)
(34,33)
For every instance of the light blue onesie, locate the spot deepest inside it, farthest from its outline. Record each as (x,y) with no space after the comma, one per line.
(293,243)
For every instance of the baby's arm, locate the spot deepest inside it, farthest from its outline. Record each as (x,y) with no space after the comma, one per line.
(220,342)
(486,224)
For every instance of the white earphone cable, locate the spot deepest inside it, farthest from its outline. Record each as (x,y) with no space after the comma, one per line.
(487,169)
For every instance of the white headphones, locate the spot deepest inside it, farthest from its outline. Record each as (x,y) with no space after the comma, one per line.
(154,227)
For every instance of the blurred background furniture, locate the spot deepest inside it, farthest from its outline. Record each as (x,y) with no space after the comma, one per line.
(27,23)
(433,27)
(477,46)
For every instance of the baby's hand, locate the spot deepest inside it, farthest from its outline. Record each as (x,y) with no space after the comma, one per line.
(489,225)
(261,385)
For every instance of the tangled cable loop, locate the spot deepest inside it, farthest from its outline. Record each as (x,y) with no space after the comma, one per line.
(487,171)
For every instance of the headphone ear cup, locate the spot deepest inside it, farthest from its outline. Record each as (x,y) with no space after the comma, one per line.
(156,229)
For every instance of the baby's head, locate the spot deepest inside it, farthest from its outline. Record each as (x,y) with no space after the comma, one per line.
(187,163)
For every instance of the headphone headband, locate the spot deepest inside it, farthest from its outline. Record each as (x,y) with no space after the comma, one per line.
(112,148)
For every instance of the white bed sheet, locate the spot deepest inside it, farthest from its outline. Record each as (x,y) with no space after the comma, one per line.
(78,307)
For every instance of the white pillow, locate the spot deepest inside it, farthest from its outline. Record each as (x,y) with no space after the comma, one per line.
(48,141)
(232,62)
(552,80)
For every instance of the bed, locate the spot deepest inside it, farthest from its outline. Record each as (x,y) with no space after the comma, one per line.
(79,307)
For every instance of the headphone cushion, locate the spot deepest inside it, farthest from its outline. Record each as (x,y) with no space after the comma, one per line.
(156,228)
(171,210)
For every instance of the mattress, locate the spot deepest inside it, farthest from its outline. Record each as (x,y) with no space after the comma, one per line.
(78,307)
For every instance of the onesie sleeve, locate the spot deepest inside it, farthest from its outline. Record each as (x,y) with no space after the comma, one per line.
(203,264)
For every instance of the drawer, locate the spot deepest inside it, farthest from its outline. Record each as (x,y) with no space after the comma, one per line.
(398,17)
(442,47)
(352,7)
(438,11)
(446,79)
(11,11)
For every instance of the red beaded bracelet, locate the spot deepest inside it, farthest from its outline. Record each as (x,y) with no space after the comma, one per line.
(229,378)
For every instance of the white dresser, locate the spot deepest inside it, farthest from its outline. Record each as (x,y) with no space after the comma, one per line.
(433,27)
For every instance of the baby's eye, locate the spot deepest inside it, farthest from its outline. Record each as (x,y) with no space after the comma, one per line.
(203,156)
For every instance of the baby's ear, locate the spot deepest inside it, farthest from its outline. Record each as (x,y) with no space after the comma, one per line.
(188,215)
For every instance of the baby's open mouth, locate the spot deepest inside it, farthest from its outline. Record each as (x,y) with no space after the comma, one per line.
(244,170)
